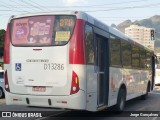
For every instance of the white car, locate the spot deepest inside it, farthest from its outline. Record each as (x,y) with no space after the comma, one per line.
(2,94)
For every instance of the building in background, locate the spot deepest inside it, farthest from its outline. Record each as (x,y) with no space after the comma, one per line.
(142,35)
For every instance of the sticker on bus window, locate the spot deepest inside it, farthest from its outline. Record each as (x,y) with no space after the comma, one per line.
(40,29)
(62,35)
(35,30)
(20,31)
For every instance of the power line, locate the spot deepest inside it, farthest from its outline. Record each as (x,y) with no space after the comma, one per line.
(16,3)
(31,5)
(6,5)
(22,6)
(38,5)
(90,5)
(123,8)
(124,2)
(14,10)
(124,17)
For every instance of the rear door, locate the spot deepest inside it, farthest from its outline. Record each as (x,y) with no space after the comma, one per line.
(103,70)
(40,55)
(102,62)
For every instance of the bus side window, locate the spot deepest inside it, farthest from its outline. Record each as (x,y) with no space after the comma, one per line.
(115,50)
(142,58)
(149,60)
(89,41)
(126,53)
(135,56)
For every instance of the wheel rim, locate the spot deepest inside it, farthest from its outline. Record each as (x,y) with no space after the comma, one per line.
(122,103)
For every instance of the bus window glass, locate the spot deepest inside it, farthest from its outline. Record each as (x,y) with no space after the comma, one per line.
(135,56)
(149,61)
(126,53)
(115,51)
(63,29)
(42,30)
(142,58)
(89,44)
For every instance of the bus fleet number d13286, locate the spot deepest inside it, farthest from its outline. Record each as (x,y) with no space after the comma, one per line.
(53,66)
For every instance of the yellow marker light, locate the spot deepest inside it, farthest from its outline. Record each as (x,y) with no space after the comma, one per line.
(76,80)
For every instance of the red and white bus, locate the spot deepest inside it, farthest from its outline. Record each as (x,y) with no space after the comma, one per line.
(71,60)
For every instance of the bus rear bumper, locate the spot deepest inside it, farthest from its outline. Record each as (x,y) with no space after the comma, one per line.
(76,101)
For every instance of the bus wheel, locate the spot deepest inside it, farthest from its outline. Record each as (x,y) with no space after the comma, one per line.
(1,93)
(121,101)
(144,97)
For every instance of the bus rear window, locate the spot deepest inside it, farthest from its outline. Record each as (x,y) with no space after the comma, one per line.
(42,30)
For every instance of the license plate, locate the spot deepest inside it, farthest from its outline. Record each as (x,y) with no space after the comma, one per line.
(38,88)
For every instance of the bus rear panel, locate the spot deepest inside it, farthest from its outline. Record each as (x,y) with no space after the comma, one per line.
(37,66)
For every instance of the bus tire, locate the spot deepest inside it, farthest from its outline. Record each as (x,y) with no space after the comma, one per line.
(1,93)
(121,100)
(144,97)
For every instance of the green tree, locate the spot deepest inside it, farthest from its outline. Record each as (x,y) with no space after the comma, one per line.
(2,36)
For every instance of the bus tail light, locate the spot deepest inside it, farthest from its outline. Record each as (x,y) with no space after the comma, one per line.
(75,83)
(6,82)
(7,46)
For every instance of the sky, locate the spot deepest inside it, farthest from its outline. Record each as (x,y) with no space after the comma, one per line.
(107,11)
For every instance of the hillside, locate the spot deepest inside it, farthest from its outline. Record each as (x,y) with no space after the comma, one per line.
(152,22)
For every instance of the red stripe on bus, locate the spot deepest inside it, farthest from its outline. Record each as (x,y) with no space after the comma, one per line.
(7,46)
(77,45)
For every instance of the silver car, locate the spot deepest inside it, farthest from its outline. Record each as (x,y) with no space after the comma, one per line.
(2,84)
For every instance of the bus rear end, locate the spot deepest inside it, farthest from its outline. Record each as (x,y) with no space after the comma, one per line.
(41,64)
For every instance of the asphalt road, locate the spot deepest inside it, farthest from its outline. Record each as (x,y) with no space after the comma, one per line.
(135,107)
